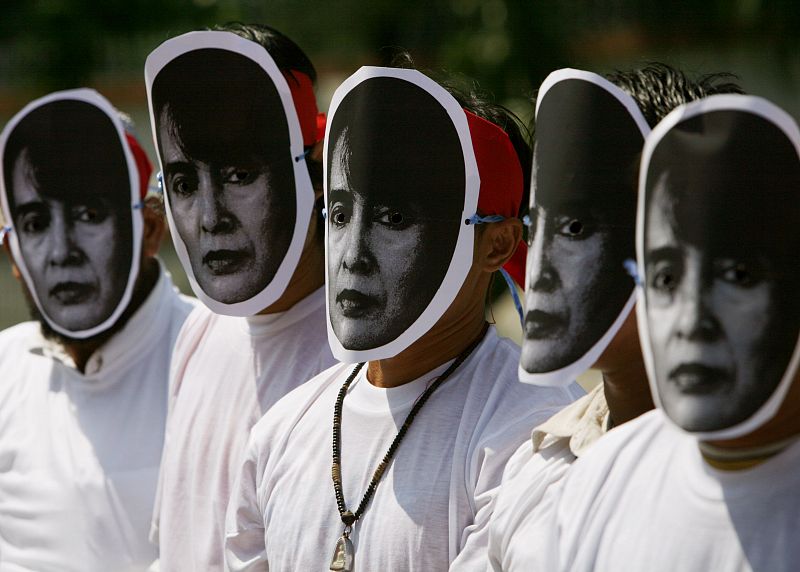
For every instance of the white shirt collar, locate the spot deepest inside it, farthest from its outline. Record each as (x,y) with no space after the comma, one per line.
(582,422)
(140,332)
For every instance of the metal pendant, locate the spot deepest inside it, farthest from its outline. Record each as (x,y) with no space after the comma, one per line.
(343,555)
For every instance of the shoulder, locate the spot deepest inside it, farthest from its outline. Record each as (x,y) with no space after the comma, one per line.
(198,320)
(606,469)
(22,370)
(16,344)
(505,400)
(181,305)
(21,335)
(526,481)
(278,421)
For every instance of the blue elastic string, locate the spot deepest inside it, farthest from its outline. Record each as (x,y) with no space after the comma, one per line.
(478,219)
(139,205)
(3,232)
(514,294)
(324,213)
(303,156)
(633,270)
(160,179)
(526,220)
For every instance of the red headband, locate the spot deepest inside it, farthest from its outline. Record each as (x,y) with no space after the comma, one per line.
(312,123)
(501,181)
(143,165)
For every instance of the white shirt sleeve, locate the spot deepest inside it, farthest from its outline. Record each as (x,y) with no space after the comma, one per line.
(492,457)
(245,546)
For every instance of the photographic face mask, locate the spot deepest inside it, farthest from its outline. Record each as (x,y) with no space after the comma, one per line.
(236,185)
(717,242)
(70,185)
(589,134)
(400,178)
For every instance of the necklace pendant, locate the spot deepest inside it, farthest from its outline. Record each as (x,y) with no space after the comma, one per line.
(343,555)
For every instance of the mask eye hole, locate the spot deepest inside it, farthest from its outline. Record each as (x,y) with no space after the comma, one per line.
(575,227)
(396,218)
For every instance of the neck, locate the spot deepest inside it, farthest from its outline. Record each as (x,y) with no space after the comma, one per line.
(81,350)
(451,335)
(307,278)
(626,390)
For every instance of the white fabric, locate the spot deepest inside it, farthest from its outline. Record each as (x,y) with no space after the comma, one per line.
(644,499)
(227,372)
(430,510)
(79,454)
(540,462)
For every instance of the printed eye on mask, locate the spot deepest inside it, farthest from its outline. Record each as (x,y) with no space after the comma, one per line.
(581,224)
(718,232)
(70,189)
(400,180)
(231,148)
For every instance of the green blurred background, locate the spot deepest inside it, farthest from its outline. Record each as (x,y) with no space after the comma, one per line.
(508,46)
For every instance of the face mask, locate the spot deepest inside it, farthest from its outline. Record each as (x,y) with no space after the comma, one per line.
(236,185)
(70,197)
(401,178)
(589,134)
(717,238)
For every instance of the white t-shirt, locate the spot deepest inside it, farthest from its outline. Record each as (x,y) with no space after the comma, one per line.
(432,506)
(644,499)
(539,463)
(79,453)
(226,373)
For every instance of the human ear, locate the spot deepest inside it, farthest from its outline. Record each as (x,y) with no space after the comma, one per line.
(14,268)
(315,155)
(497,243)
(316,151)
(154,228)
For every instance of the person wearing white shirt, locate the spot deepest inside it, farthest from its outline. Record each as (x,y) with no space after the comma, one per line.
(708,480)
(231,364)
(420,435)
(624,393)
(82,420)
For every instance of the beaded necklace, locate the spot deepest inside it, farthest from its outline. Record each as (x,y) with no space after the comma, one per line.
(343,553)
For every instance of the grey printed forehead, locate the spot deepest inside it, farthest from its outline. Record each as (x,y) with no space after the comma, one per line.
(730,174)
(402,147)
(587,147)
(70,147)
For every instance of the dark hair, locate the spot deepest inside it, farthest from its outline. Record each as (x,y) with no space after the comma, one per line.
(286,54)
(389,119)
(473,99)
(69,150)
(659,88)
(232,115)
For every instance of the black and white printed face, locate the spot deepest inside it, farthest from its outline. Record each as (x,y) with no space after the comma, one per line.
(223,140)
(582,221)
(720,243)
(396,181)
(69,196)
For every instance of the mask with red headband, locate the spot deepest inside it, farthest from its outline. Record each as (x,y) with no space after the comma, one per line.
(408,173)
(73,182)
(232,133)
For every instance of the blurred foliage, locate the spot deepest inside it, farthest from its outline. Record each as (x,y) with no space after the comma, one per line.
(509,44)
